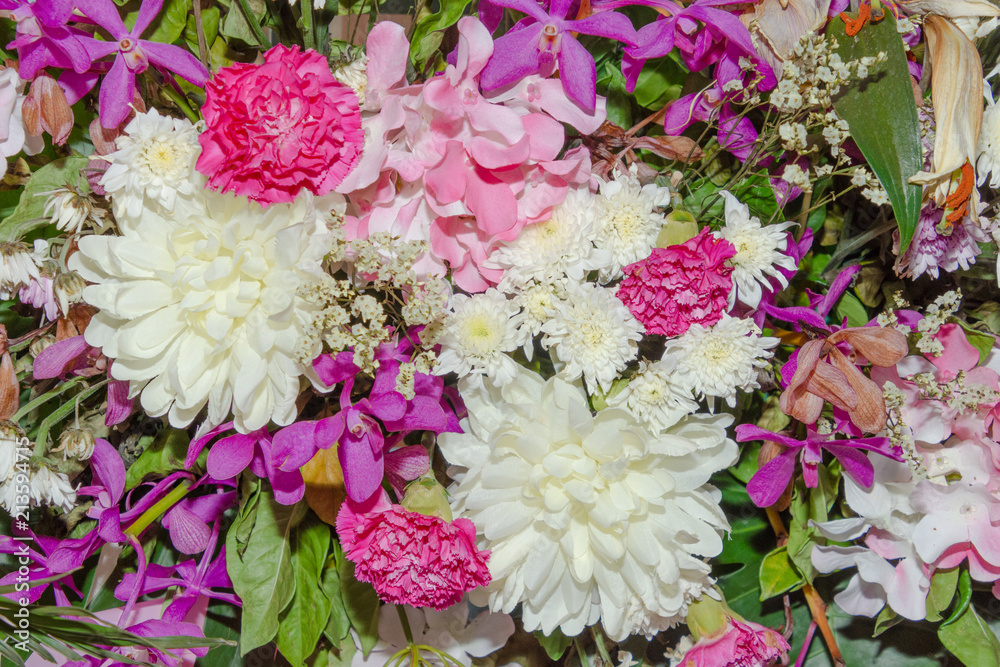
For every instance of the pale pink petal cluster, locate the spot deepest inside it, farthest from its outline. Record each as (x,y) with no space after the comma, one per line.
(445,165)
(411,558)
(278,128)
(681,285)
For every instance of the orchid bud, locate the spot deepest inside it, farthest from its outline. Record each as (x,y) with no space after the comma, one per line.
(46,108)
(426,496)
(77,443)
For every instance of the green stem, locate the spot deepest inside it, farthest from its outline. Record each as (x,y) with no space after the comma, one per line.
(601,648)
(584,662)
(251,20)
(154,512)
(181,101)
(308,36)
(200,28)
(60,413)
(44,398)
(405,622)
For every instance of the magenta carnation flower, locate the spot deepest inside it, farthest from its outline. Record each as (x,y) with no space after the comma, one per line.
(681,285)
(744,644)
(276,128)
(411,558)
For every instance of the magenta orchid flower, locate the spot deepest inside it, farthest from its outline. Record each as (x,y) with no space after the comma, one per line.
(148,656)
(43,37)
(132,56)
(768,483)
(44,568)
(74,356)
(545,39)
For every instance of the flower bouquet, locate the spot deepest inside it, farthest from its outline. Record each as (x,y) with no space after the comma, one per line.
(512,332)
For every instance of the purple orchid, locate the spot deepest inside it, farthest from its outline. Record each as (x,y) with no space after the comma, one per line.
(187,522)
(538,43)
(768,483)
(74,356)
(152,629)
(43,37)
(197,580)
(45,567)
(132,56)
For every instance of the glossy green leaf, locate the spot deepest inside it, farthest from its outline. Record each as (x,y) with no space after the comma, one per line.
(660,81)
(851,307)
(964,597)
(30,208)
(882,115)
(163,457)
(943,585)
(168,25)
(555,645)
(971,640)
(448,16)
(262,575)
(339,625)
(361,602)
(235,23)
(619,104)
(302,623)
(777,574)
(886,619)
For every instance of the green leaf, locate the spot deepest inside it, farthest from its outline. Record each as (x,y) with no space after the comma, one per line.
(163,457)
(777,575)
(964,597)
(882,115)
(168,25)
(943,585)
(30,208)
(555,645)
(360,601)
(420,46)
(971,640)
(235,24)
(660,81)
(301,624)
(982,341)
(209,22)
(887,618)
(339,625)
(619,101)
(262,575)
(851,307)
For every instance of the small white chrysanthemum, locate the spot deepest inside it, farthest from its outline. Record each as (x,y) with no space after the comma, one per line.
(759,252)
(594,335)
(48,487)
(628,222)
(355,76)
(539,303)
(561,246)
(588,517)
(202,307)
(722,358)
(478,334)
(988,163)
(655,397)
(154,161)
(17,267)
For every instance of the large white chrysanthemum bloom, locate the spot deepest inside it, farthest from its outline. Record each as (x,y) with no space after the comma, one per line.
(478,333)
(655,396)
(203,306)
(594,335)
(759,252)
(154,163)
(628,222)
(718,360)
(588,517)
(988,162)
(561,246)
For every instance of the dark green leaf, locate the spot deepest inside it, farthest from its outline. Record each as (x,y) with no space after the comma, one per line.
(886,619)
(660,81)
(303,621)
(555,645)
(30,209)
(262,576)
(360,601)
(163,457)
(210,23)
(619,101)
(851,307)
(971,640)
(964,597)
(777,574)
(339,625)
(882,115)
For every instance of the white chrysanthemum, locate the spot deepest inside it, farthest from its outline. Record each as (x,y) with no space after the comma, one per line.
(588,518)
(655,397)
(628,223)
(988,162)
(51,488)
(595,335)
(154,162)
(561,246)
(17,267)
(722,358)
(202,306)
(8,453)
(354,75)
(478,333)
(539,303)
(759,252)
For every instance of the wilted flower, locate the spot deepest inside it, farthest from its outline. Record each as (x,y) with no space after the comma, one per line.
(723,638)
(46,110)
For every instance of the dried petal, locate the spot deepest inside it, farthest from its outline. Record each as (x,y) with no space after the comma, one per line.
(47,109)
(869,415)
(952,9)
(881,346)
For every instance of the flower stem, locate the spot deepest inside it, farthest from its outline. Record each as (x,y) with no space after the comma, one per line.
(200,28)
(405,622)
(584,662)
(308,35)
(251,20)
(181,101)
(57,415)
(601,648)
(154,512)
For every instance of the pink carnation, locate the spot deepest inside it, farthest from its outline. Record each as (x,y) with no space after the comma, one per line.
(681,285)
(276,128)
(744,644)
(411,558)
